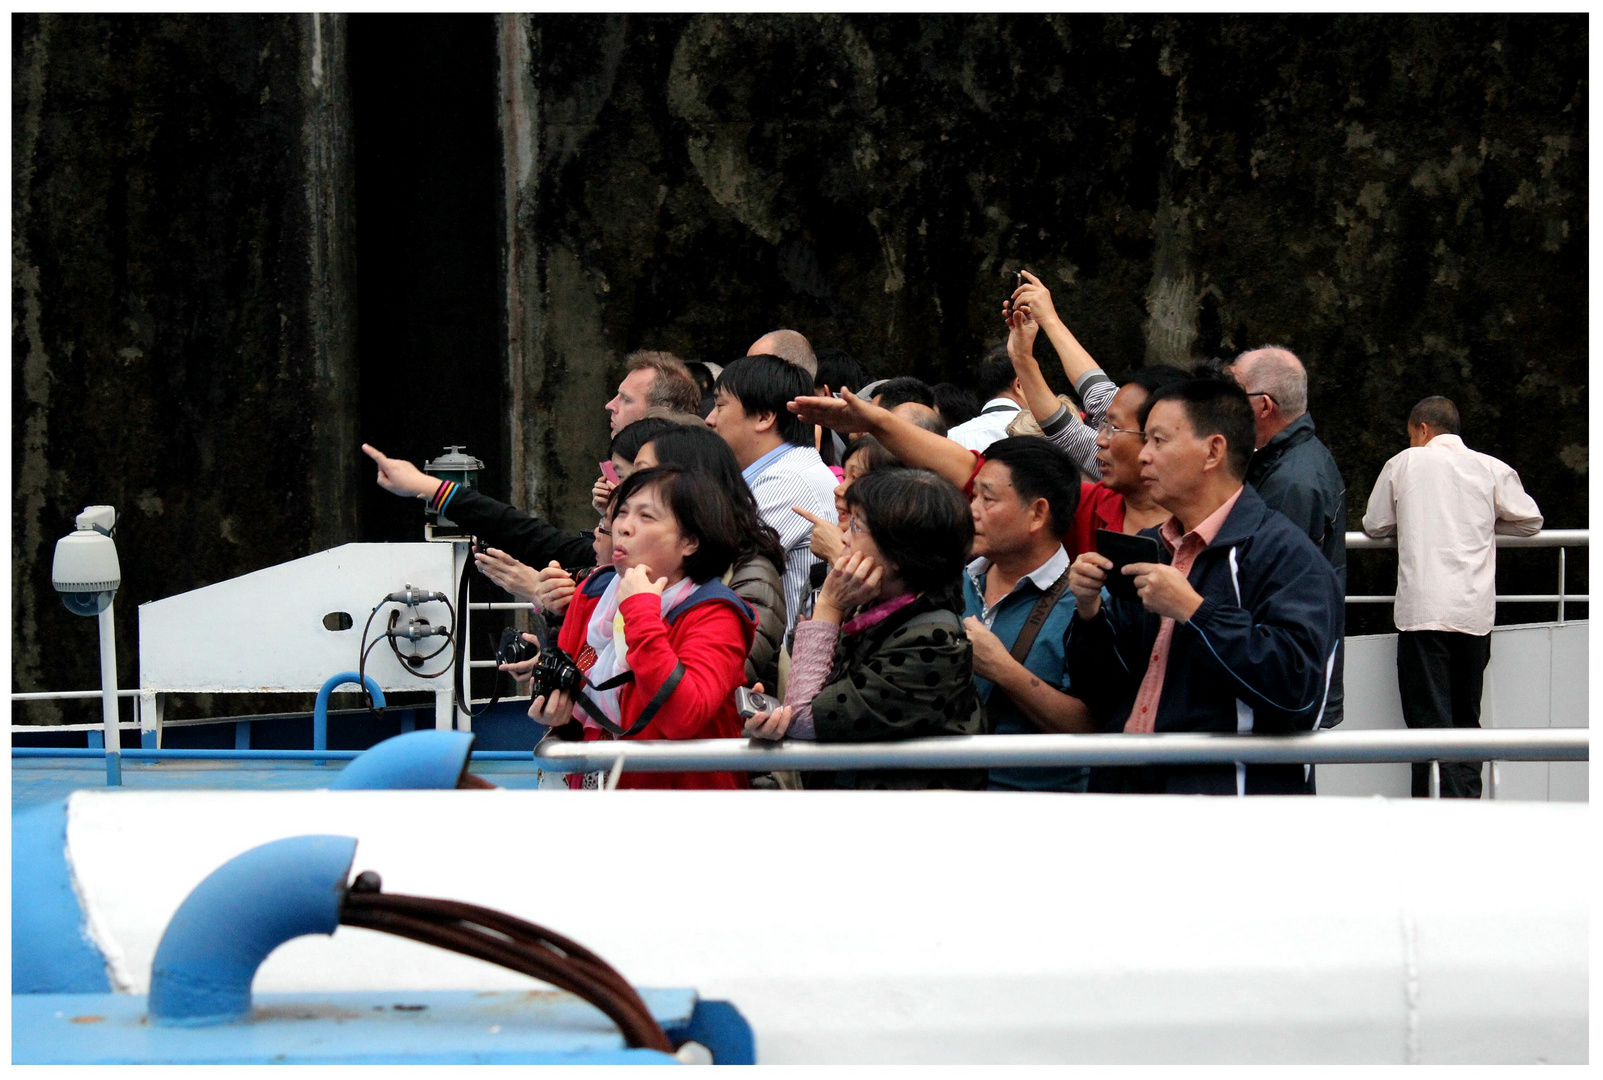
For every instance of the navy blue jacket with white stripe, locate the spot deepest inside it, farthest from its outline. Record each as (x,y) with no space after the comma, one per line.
(1256,656)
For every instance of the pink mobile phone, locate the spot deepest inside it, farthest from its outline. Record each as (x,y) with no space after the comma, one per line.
(609,472)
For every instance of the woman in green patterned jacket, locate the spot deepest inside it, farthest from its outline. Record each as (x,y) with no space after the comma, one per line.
(884,656)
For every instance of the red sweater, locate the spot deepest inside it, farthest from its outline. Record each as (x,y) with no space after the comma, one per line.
(1100,508)
(711,640)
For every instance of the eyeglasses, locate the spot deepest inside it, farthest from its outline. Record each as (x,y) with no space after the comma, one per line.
(855,526)
(1110,430)
(603,530)
(1260,393)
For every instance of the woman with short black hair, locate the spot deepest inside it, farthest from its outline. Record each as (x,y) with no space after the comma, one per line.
(755,574)
(661,640)
(884,655)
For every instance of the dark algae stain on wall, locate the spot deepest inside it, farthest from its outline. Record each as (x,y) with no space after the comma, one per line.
(1402,200)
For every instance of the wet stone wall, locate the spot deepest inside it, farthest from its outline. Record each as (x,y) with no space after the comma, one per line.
(1401,200)
(178,310)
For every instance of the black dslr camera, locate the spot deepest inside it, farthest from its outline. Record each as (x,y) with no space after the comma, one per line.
(554,670)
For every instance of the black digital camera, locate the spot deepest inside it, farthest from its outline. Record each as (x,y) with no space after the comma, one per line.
(554,670)
(513,649)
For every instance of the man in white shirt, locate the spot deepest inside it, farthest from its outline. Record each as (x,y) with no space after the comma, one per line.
(1444,502)
(774,448)
(998,382)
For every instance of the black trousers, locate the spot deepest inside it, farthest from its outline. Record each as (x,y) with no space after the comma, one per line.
(1439,674)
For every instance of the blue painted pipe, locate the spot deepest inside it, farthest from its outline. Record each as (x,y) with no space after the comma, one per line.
(231,921)
(234,755)
(420,760)
(320,710)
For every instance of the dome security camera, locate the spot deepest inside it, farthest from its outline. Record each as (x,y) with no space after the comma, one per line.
(85,571)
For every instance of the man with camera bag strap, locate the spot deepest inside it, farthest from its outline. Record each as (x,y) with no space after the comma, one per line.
(1016,597)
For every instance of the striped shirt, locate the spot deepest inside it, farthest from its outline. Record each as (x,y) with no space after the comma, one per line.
(1066,430)
(790,476)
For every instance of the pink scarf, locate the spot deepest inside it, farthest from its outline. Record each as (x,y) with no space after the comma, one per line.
(877,614)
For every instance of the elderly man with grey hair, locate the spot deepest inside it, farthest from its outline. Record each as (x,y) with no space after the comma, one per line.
(1293,472)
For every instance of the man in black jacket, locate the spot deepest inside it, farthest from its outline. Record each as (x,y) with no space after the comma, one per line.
(1293,472)
(1236,632)
(531,540)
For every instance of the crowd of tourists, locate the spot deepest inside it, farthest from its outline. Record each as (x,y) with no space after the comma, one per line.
(1162,551)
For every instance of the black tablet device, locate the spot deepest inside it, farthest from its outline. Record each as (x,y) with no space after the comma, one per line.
(1124,550)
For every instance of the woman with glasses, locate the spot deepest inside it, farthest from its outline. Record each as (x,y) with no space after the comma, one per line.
(884,656)
(863,455)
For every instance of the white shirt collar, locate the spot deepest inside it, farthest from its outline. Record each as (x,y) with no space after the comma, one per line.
(1042,576)
(1009,402)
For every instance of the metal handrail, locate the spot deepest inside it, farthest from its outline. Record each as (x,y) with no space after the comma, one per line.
(170,754)
(68,695)
(1019,751)
(1562,539)
(975,751)
(1356,541)
(1547,538)
(1502,598)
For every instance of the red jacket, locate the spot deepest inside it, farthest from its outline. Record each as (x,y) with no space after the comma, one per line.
(709,633)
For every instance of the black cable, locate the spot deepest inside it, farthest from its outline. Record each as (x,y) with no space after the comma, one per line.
(449,641)
(412,663)
(503,939)
(406,661)
(464,696)
(369,888)
(635,1026)
(361,663)
(553,966)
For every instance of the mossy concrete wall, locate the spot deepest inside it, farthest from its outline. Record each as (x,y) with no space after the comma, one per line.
(181,293)
(1400,199)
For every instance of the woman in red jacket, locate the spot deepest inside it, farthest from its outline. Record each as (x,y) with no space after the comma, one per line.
(661,640)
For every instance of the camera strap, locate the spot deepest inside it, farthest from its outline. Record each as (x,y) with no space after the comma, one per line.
(669,685)
(1027,635)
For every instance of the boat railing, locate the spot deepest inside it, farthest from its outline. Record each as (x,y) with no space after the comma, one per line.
(1561,539)
(980,751)
(1058,751)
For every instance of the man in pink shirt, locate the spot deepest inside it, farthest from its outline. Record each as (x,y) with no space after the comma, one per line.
(1444,502)
(1234,629)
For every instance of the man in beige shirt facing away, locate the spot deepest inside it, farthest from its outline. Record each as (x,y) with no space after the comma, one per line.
(1444,502)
